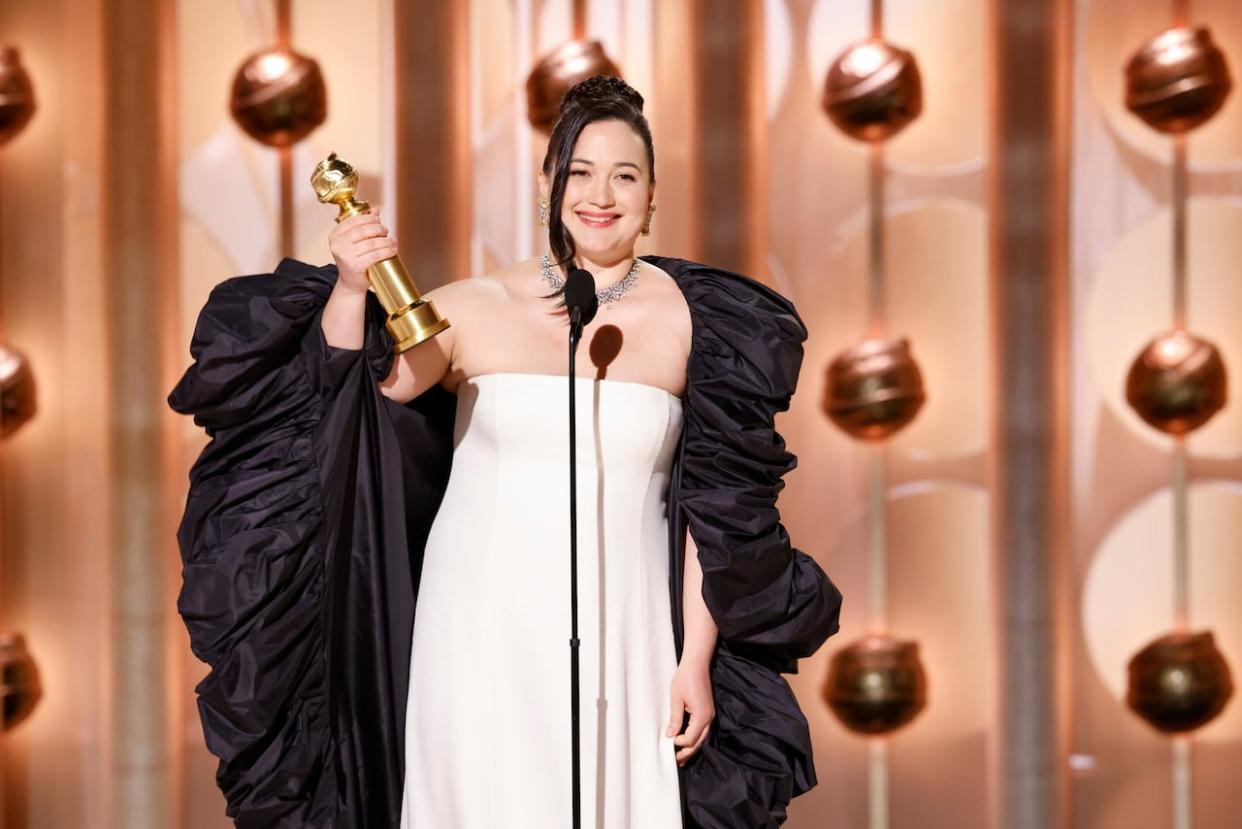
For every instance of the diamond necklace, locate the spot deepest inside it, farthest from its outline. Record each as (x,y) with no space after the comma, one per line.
(605,295)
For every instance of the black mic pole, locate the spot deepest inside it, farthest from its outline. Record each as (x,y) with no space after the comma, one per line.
(582,303)
(575,332)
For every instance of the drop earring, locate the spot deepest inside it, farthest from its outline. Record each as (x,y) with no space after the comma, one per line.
(646,230)
(543,213)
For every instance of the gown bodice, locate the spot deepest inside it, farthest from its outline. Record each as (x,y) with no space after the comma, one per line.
(488,731)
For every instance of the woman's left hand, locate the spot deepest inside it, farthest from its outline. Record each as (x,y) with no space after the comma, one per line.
(691,691)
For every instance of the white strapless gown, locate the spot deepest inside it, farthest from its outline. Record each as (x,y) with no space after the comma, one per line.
(487,742)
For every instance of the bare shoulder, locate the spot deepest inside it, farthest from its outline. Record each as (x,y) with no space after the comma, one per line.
(662,278)
(669,295)
(485,292)
(465,295)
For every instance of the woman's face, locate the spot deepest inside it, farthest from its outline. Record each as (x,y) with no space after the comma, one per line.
(607,192)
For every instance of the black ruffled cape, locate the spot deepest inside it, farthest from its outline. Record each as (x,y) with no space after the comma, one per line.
(308,512)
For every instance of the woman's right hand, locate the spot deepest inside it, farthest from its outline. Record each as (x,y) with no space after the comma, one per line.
(357,243)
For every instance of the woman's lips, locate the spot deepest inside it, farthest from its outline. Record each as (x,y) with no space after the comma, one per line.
(598,219)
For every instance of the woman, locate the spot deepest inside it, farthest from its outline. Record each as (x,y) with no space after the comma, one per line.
(332,458)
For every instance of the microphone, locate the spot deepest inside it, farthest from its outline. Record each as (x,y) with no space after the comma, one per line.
(580,299)
(581,302)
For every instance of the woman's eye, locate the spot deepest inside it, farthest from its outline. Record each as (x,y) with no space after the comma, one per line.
(628,177)
(578,172)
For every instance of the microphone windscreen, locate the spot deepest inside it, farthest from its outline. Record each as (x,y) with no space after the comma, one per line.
(580,294)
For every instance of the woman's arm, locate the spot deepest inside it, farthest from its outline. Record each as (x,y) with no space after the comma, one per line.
(700,628)
(357,243)
(692,684)
(342,319)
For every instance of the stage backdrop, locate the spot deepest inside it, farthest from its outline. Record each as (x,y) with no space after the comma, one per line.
(132,192)
(1125,774)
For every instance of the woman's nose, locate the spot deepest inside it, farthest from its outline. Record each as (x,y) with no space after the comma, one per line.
(602,194)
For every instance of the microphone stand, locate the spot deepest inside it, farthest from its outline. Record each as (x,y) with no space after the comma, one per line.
(575,333)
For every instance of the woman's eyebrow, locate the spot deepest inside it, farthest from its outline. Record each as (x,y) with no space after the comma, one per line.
(618,164)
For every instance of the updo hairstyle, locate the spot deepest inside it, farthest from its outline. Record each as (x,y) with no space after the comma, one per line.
(599,98)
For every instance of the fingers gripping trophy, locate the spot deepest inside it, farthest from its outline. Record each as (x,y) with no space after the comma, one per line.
(411,319)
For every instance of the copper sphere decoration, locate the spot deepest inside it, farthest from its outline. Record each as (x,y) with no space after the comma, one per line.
(874,389)
(876,685)
(1177,383)
(279,97)
(1179,682)
(873,91)
(568,64)
(1177,80)
(17,102)
(19,679)
(17,391)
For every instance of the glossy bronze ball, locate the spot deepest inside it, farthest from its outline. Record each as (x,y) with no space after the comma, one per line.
(1177,383)
(552,77)
(876,685)
(17,102)
(1179,682)
(1177,80)
(279,97)
(873,91)
(17,391)
(19,679)
(874,389)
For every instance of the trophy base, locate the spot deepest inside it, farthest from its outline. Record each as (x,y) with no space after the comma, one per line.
(415,323)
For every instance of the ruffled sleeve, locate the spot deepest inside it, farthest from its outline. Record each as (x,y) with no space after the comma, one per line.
(768,598)
(771,602)
(296,553)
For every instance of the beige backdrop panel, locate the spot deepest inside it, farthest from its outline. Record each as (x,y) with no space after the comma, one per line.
(936,225)
(55,523)
(1121,292)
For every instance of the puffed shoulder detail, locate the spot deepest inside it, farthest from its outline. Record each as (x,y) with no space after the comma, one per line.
(253,326)
(771,602)
(767,598)
(253,540)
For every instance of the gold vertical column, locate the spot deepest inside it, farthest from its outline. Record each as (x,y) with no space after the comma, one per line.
(1029,195)
(674,127)
(434,207)
(730,140)
(1181,746)
(139,206)
(877,267)
(877,535)
(1180,188)
(580,19)
(288,239)
(877,503)
(4,578)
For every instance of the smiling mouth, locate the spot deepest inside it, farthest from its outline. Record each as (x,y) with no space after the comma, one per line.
(598,219)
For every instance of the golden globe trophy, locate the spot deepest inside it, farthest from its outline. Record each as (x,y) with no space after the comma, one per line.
(411,319)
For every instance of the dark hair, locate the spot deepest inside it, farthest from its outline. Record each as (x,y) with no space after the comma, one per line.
(600,98)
